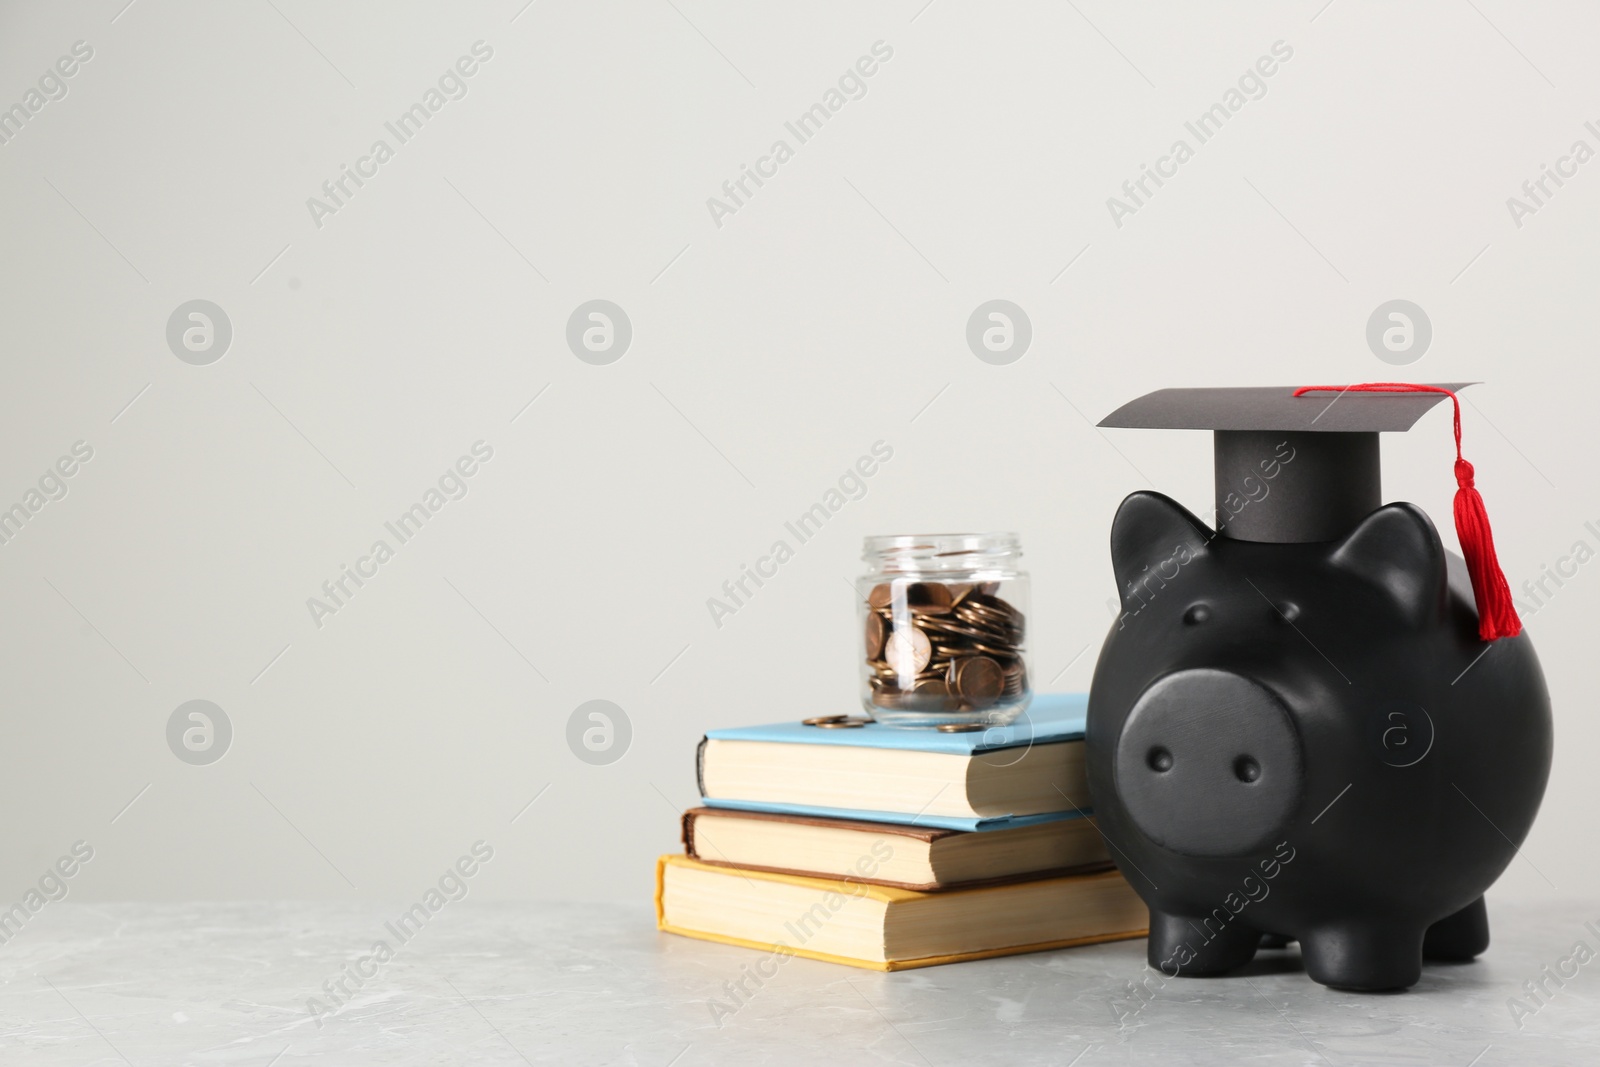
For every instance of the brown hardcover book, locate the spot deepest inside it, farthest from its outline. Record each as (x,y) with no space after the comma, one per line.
(891,854)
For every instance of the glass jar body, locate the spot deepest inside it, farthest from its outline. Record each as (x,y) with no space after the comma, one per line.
(943,620)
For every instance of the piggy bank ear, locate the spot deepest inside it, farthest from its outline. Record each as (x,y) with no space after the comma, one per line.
(1149,530)
(1397,549)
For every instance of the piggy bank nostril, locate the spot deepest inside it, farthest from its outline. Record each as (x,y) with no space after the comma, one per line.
(1159,759)
(1287,610)
(1246,769)
(1197,614)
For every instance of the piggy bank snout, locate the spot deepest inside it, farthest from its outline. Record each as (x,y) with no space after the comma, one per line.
(1209,763)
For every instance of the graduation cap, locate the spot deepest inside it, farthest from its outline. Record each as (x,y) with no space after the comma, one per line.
(1301,464)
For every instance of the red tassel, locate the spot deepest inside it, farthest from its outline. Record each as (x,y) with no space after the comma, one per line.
(1497,616)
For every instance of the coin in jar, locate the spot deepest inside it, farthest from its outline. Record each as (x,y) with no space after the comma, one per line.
(1005,652)
(932,694)
(977,677)
(929,598)
(978,615)
(908,651)
(994,608)
(880,595)
(874,635)
(1016,678)
(984,601)
(945,626)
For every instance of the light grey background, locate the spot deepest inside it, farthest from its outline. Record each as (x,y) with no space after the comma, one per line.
(768,353)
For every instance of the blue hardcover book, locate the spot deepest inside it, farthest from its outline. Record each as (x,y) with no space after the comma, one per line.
(1028,772)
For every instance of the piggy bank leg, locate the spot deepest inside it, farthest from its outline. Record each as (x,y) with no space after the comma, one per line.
(1195,947)
(1365,957)
(1459,937)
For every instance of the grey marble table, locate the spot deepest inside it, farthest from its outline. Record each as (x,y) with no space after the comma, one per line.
(510,984)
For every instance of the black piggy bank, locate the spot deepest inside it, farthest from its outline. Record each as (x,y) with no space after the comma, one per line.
(1309,741)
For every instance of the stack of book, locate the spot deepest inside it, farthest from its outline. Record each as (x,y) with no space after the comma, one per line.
(894,848)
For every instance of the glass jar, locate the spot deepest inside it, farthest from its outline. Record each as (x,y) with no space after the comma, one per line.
(943,617)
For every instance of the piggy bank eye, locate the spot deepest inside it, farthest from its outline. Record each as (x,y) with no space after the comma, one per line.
(1196,615)
(1287,610)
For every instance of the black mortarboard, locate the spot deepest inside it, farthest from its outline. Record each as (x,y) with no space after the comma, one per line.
(1301,464)
(1332,482)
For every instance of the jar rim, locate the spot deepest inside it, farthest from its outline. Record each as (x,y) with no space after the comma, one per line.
(994,543)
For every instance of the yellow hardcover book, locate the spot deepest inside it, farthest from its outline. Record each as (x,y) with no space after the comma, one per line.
(887,929)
